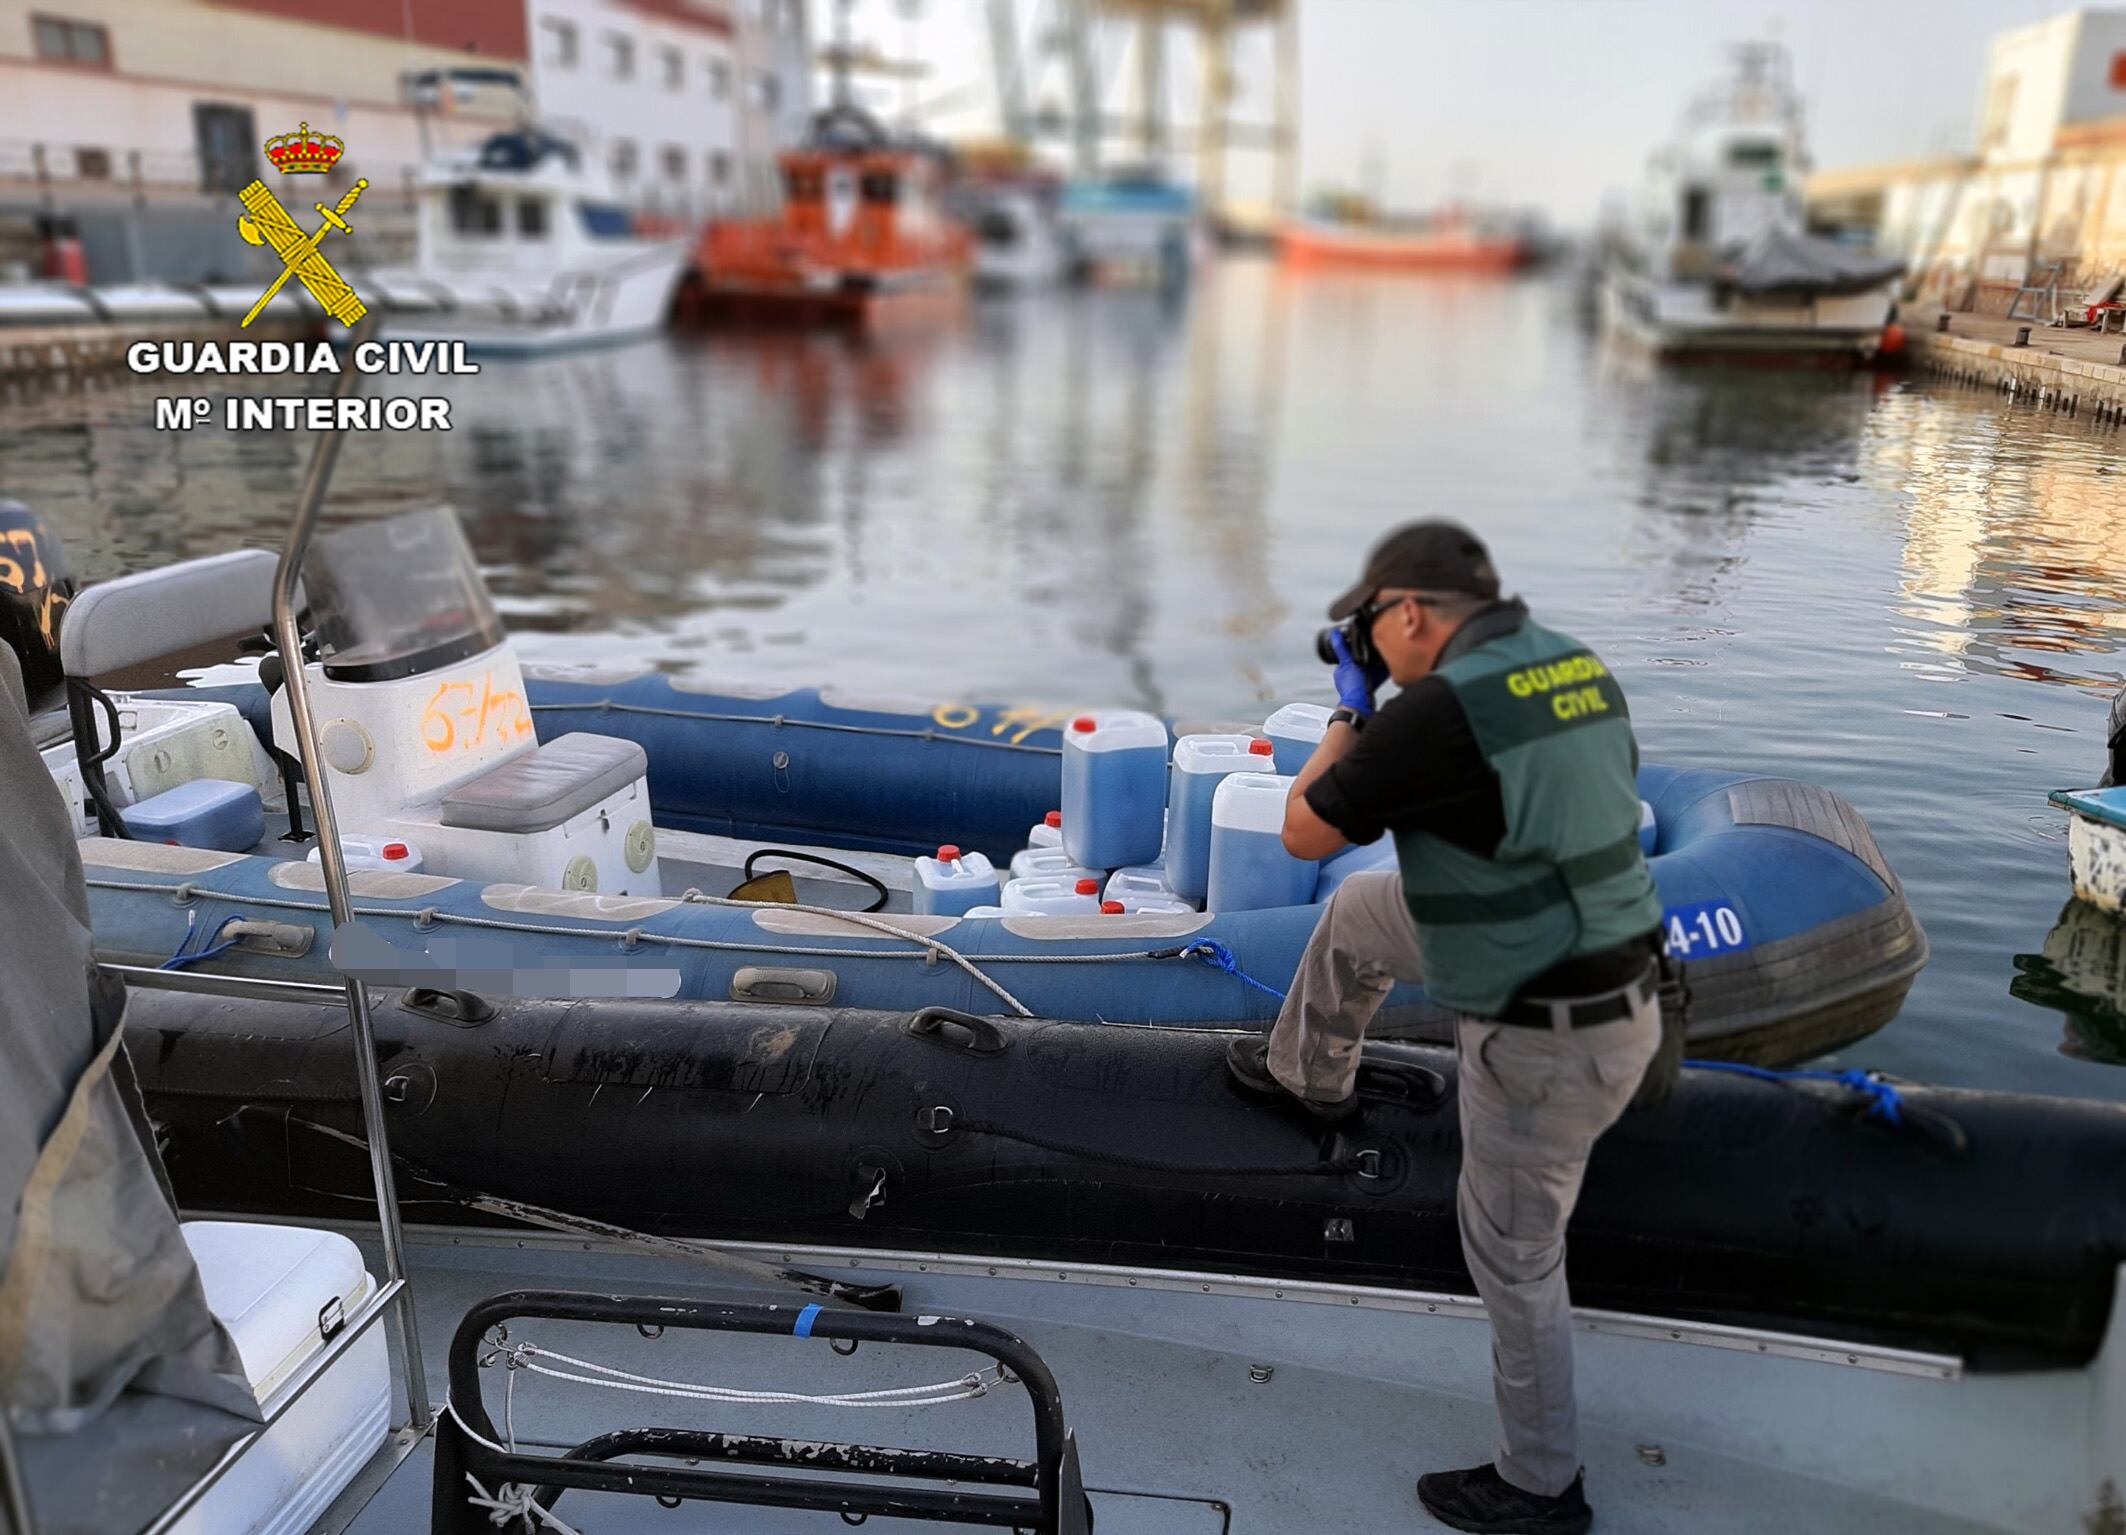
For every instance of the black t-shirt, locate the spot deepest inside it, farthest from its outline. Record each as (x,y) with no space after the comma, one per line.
(1416,766)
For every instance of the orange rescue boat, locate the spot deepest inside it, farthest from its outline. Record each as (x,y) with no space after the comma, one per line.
(860,238)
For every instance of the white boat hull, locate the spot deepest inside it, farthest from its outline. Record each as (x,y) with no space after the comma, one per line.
(1692,319)
(519,314)
(2096,862)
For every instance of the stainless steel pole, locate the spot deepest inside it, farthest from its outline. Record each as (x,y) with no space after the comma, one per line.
(289,637)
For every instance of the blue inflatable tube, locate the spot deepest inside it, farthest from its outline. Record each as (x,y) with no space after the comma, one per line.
(1792,932)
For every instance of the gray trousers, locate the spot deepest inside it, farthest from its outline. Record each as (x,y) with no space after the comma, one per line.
(1533,1103)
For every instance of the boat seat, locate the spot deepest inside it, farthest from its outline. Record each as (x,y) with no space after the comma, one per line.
(284,1292)
(545,787)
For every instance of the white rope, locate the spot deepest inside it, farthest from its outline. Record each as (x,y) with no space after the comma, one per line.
(514,1502)
(526,1356)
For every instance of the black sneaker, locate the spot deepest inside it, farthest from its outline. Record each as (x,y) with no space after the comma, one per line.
(1480,1499)
(1247,1061)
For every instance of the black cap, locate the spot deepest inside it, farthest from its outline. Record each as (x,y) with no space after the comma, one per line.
(1426,557)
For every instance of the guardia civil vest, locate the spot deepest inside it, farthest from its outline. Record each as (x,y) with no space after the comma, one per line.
(1568,878)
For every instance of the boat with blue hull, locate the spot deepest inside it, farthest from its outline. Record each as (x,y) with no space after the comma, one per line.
(1793,934)
(625,834)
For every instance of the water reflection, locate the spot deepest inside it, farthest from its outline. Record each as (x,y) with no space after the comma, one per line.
(2015,553)
(2081,974)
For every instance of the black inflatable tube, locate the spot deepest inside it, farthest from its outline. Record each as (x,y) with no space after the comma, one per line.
(1739,1202)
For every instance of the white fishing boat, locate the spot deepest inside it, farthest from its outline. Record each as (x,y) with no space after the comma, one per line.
(1016,243)
(1713,260)
(522,247)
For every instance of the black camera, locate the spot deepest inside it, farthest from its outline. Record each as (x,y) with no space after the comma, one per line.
(1358,640)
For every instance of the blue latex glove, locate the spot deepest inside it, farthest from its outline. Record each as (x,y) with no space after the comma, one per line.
(1355,683)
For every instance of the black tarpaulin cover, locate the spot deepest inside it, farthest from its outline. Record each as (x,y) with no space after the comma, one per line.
(1785,261)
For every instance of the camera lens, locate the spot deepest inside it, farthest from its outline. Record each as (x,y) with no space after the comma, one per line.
(1323,648)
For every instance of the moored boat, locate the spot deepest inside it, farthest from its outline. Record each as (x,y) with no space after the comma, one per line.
(1346,234)
(860,238)
(1713,261)
(594,818)
(522,247)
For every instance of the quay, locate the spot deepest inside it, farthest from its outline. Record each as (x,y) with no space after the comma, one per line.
(2073,370)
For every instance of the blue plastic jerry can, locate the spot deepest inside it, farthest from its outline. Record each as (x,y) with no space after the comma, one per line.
(1114,788)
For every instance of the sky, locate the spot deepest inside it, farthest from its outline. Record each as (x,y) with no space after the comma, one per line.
(1548,103)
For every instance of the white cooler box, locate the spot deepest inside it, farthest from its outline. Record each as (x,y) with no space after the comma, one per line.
(279,1290)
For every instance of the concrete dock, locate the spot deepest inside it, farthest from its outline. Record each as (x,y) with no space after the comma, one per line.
(2074,370)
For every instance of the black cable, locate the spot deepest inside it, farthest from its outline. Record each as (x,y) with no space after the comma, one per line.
(878,885)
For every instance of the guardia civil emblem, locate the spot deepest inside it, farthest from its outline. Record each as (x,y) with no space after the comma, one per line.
(301,153)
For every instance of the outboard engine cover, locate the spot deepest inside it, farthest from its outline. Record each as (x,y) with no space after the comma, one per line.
(35,587)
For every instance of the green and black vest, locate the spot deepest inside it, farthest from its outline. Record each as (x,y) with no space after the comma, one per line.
(1568,878)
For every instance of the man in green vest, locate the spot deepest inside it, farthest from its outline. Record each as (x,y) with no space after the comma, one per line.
(1504,769)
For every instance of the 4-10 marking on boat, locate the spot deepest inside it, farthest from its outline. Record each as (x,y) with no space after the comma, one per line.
(1704,927)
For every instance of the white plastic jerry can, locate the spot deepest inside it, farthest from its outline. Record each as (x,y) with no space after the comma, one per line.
(1143,888)
(1048,863)
(1294,731)
(1046,832)
(1201,762)
(953,881)
(1114,788)
(1052,897)
(364,852)
(1249,867)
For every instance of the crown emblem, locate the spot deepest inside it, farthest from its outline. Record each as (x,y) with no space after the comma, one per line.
(303,152)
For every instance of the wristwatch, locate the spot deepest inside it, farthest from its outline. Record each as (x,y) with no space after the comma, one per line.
(1346,715)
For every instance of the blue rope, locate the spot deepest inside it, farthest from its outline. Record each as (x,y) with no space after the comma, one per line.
(1212,952)
(1885,1102)
(184,954)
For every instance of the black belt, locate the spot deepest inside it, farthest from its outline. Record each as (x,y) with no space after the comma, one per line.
(1608,1008)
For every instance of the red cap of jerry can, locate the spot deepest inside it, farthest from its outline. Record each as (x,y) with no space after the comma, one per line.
(1111,907)
(1088,886)
(1053,818)
(1084,722)
(948,853)
(393,851)
(1260,748)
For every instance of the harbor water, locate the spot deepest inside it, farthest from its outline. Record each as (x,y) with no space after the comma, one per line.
(1909,592)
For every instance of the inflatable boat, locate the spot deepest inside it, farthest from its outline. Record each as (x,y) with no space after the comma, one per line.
(590,834)
(1899,1218)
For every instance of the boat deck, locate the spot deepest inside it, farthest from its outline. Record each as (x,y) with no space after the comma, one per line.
(1177,1437)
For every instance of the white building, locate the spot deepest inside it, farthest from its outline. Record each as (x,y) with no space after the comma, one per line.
(2045,183)
(685,101)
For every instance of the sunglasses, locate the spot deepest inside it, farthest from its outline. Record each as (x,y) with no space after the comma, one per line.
(1369,613)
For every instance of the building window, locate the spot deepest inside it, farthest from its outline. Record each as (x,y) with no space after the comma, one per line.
(531,217)
(624,159)
(2000,113)
(675,163)
(92,164)
(71,42)
(719,80)
(560,42)
(764,12)
(719,168)
(620,56)
(673,67)
(767,92)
